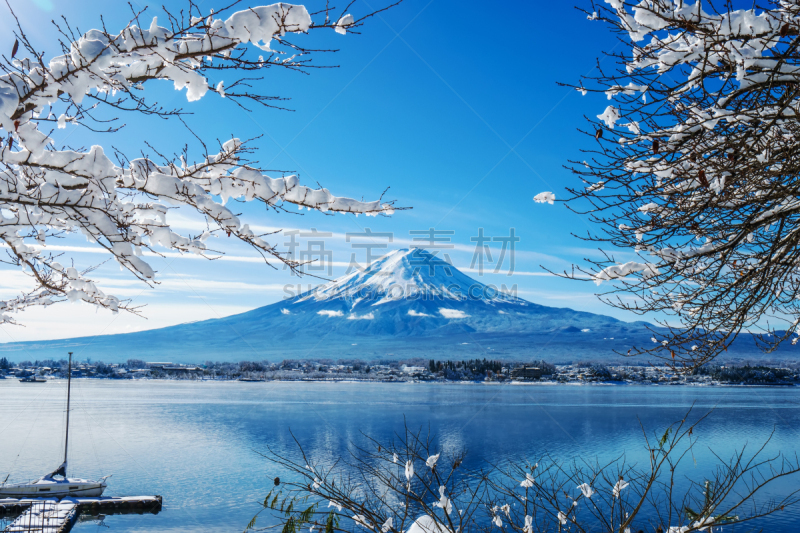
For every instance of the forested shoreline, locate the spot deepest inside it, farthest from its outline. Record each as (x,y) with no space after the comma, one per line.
(475,370)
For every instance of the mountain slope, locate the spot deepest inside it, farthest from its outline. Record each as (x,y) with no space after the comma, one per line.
(411,293)
(409,303)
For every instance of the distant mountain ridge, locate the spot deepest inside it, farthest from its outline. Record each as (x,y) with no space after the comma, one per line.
(409,303)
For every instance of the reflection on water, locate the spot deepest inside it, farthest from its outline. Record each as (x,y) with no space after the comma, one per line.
(196,444)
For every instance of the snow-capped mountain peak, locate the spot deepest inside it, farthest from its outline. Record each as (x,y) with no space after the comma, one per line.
(407,275)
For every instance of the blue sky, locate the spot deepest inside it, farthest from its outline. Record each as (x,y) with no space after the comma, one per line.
(454,105)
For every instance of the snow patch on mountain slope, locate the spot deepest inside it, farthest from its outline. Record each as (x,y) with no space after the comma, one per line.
(452,313)
(368,316)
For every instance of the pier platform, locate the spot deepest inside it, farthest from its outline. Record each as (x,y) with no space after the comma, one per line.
(48,516)
(58,516)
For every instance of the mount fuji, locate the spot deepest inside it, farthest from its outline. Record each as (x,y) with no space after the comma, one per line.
(409,303)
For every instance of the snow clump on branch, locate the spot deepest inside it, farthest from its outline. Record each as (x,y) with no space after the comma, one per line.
(124,208)
(694,162)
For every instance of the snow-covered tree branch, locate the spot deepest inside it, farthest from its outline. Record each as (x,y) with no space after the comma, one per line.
(696,168)
(122,205)
(411,485)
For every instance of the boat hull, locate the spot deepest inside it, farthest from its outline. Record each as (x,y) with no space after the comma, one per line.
(52,490)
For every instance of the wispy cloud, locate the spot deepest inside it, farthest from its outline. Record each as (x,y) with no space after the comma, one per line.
(257,259)
(80,319)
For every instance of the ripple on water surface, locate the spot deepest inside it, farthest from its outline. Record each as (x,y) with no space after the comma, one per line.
(196,443)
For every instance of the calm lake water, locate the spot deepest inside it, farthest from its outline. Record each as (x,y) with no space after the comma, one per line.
(196,443)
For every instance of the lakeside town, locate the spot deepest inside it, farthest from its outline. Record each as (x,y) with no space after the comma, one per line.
(414,370)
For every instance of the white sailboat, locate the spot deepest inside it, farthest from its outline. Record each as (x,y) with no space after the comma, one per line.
(56,484)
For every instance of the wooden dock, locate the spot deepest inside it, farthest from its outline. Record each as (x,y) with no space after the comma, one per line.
(48,516)
(54,516)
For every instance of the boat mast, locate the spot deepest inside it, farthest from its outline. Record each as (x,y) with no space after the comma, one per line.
(66,437)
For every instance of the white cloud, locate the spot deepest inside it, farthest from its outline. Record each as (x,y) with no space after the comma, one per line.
(83,320)
(193,284)
(285,311)
(329,312)
(411,312)
(490,271)
(368,316)
(150,257)
(452,313)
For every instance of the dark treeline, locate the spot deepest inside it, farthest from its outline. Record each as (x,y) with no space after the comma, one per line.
(477,366)
(49,363)
(408,369)
(476,369)
(747,374)
(599,371)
